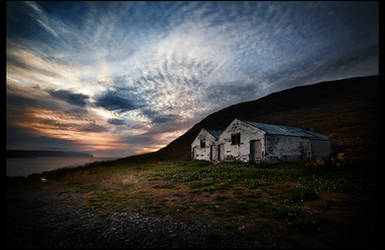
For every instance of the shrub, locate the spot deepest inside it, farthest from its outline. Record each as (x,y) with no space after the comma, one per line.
(334,161)
(338,161)
(316,164)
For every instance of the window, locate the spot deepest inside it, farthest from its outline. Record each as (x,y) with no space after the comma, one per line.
(236,139)
(203,143)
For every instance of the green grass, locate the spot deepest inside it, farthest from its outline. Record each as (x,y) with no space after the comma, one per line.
(353,180)
(252,184)
(296,217)
(301,194)
(169,186)
(221,198)
(225,190)
(201,183)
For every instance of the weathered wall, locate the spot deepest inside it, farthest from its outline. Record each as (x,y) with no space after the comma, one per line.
(286,148)
(320,148)
(203,153)
(275,148)
(240,152)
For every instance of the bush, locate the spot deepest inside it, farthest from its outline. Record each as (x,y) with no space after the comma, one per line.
(316,164)
(338,160)
(334,161)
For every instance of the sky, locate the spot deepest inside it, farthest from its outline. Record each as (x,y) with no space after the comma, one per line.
(121,78)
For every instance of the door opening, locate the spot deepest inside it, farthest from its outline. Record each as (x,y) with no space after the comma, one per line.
(255,151)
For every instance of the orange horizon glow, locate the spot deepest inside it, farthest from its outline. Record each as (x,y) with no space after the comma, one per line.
(86,141)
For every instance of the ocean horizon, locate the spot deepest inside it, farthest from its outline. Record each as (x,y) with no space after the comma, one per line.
(27,166)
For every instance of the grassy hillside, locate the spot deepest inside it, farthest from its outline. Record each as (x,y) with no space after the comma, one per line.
(346,110)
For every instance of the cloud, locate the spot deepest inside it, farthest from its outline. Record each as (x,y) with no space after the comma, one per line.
(121,100)
(20,138)
(18,61)
(138,71)
(69,97)
(165,118)
(157,117)
(92,127)
(116,121)
(15,99)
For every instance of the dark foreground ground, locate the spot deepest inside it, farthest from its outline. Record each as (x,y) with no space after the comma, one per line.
(195,205)
(51,222)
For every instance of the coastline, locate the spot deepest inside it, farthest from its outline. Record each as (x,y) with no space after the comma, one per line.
(26,166)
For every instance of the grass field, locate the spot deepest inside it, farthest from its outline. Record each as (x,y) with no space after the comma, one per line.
(332,207)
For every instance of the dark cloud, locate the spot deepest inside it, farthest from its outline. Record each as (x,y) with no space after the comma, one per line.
(115,121)
(157,117)
(120,100)
(140,140)
(18,100)
(165,118)
(69,97)
(20,138)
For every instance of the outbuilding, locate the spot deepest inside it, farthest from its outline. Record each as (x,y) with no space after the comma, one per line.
(204,145)
(259,142)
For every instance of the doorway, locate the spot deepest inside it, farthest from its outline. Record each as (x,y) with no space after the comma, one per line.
(220,152)
(193,153)
(255,151)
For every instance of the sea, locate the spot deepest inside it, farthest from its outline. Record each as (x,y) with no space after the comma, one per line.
(27,166)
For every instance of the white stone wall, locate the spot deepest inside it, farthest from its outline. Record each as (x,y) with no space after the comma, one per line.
(240,152)
(275,148)
(203,153)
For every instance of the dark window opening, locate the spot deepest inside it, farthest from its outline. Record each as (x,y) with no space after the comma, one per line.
(203,143)
(236,139)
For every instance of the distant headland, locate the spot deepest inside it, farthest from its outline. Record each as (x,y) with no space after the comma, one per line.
(44,153)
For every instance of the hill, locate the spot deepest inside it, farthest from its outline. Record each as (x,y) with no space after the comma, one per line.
(346,110)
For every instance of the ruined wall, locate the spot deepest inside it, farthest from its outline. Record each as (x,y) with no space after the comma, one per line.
(199,153)
(240,152)
(286,148)
(320,148)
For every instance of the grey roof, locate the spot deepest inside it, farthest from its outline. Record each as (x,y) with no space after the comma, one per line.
(324,137)
(286,130)
(215,133)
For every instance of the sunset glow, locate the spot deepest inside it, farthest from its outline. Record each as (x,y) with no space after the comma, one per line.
(122,78)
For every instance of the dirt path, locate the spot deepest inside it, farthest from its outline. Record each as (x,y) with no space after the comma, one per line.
(50,221)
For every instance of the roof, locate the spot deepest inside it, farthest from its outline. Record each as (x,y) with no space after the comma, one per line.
(215,133)
(286,130)
(324,137)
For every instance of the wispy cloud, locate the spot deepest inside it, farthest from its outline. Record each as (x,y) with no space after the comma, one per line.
(138,74)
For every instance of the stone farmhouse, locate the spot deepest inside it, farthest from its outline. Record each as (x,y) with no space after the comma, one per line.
(259,142)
